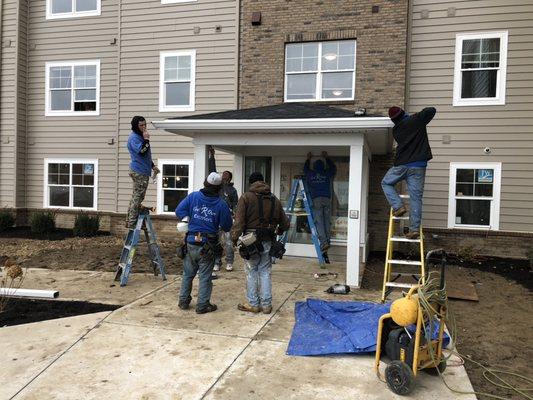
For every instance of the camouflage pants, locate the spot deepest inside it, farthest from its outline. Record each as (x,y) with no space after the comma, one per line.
(140,184)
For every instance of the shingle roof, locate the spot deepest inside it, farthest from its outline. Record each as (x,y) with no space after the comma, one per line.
(281,111)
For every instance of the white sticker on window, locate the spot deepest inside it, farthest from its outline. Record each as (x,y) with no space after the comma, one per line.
(485,175)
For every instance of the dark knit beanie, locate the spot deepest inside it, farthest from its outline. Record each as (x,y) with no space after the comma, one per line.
(255,177)
(396,113)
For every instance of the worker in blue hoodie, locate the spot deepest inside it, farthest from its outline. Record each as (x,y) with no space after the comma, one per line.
(141,167)
(207,214)
(319,179)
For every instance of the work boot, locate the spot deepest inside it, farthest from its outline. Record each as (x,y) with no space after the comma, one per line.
(214,275)
(216,267)
(206,309)
(184,305)
(326,257)
(248,308)
(266,310)
(229,267)
(412,235)
(399,212)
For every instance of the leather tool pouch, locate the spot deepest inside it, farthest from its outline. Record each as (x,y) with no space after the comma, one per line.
(277,249)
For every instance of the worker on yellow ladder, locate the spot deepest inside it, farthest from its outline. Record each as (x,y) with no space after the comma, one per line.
(412,155)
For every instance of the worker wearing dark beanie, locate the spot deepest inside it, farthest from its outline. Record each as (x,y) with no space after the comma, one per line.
(412,155)
(255,177)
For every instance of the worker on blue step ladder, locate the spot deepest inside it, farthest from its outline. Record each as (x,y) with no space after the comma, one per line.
(319,178)
(412,156)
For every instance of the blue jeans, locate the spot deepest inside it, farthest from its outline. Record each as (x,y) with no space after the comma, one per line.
(194,264)
(225,240)
(415,186)
(322,216)
(258,278)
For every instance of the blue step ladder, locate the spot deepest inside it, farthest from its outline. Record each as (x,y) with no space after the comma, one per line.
(298,189)
(144,222)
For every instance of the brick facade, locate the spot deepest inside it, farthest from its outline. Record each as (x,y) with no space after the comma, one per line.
(381,47)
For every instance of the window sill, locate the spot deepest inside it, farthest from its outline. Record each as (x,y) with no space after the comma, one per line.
(94,13)
(72,113)
(71,208)
(177,109)
(478,102)
(328,101)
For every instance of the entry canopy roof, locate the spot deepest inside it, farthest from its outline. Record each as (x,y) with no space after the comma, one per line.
(301,118)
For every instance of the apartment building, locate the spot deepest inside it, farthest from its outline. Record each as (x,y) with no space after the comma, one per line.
(74,73)
(473,60)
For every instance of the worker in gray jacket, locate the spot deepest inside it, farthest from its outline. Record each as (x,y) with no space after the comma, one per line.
(229,194)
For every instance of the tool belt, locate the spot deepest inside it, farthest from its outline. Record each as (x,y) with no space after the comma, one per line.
(210,248)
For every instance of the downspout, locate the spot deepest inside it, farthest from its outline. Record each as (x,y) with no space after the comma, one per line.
(117,123)
(238,56)
(16,104)
(408,55)
(26,125)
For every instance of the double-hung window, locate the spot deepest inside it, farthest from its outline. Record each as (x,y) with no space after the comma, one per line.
(176,80)
(70,183)
(480,69)
(474,199)
(72,8)
(320,71)
(72,88)
(174,184)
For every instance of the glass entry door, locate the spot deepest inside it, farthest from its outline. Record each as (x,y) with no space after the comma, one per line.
(299,241)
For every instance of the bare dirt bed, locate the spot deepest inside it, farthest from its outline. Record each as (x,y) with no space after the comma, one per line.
(63,251)
(496,331)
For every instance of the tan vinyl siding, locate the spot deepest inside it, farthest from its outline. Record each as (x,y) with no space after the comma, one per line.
(506,129)
(149,27)
(7,101)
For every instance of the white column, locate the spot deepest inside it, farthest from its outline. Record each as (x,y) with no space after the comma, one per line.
(354,215)
(238,172)
(200,165)
(364,207)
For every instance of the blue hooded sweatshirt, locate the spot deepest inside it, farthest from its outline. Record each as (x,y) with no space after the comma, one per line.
(207,213)
(320,177)
(140,153)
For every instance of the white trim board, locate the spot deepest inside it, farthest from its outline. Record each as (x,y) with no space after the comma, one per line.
(192,87)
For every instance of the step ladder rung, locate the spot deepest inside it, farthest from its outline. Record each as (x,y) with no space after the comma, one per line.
(404,262)
(405,196)
(400,285)
(404,239)
(404,218)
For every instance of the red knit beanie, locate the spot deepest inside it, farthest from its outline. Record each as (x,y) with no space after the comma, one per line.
(395,112)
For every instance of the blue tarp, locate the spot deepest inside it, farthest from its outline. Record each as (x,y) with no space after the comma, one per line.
(335,327)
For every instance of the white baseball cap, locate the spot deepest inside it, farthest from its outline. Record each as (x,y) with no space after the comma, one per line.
(214,178)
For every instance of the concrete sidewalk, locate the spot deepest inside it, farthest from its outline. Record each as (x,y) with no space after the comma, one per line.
(149,349)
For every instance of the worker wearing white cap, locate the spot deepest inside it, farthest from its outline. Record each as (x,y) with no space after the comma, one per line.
(207,213)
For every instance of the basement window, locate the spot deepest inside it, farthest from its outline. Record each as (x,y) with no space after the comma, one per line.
(177,80)
(71,184)
(174,184)
(72,88)
(480,69)
(56,9)
(474,200)
(320,71)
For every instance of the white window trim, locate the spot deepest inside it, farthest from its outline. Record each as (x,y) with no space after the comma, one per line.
(160,197)
(192,99)
(72,113)
(502,71)
(319,72)
(496,192)
(177,1)
(46,197)
(73,14)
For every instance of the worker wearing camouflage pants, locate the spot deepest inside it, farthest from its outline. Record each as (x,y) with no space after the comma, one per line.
(141,167)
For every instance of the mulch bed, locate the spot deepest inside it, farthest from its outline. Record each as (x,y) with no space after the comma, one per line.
(24,232)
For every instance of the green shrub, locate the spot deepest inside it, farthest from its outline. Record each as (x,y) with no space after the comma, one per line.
(86,225)
(6,220)
(43,222)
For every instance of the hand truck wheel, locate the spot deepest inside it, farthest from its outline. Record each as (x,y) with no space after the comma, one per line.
(399,377)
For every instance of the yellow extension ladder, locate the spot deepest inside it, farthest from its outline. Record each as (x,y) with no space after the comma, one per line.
(390,277)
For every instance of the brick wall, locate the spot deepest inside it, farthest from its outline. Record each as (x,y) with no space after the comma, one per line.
(381,47)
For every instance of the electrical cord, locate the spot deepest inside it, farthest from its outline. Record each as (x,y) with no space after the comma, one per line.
(431,295)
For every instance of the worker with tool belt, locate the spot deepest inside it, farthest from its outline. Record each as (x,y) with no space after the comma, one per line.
(259,217)
(207,213)
(412,156)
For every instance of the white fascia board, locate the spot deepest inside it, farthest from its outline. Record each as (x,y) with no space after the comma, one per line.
(313,124)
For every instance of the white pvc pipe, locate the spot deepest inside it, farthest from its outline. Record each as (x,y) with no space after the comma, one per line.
(44,294)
